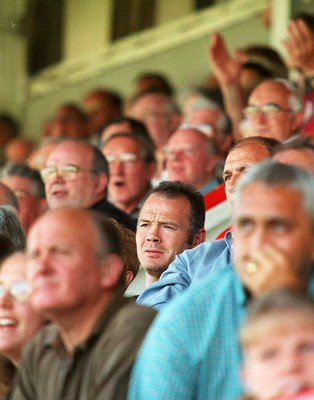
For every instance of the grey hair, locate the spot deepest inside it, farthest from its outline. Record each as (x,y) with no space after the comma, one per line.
(11,227)
(295,99)
(273,174)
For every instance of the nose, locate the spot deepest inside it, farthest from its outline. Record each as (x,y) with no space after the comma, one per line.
(116,167)
(257,238)
(230,184)
(6,299)
(291,362)
(260,116)
(153,235)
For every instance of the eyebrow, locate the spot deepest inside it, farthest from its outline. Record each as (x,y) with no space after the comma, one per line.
(162,222)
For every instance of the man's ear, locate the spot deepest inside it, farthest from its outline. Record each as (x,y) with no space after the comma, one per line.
(128,277)
(112,268)
(199,238)
(101,183)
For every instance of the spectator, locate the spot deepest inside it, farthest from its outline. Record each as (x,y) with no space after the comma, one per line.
(132,165)
(275,109)
(69,122)
(192,351)
(192,158)
(77,175)
(29,189)
(158,112)
(194,265)
(277,340)
(77,280)
(101,105)
(170,221)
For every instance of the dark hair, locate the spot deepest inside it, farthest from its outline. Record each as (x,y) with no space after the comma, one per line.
(99,162)
(137,127)
(11,227)
(163,82)
(268,143)
(109,240)
(9,196)
(10,123)
(147,147)
(22,170)
(176,189)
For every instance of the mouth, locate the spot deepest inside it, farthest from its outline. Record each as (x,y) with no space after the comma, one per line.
(7,322)
(118,183)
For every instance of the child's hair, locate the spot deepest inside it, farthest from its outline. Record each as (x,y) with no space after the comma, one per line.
(278,310)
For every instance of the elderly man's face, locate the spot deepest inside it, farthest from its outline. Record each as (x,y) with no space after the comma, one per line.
(271,219)
(130,175)
(153,111)
(63,266)
(188,158)
(162,232)
(81,189)
(278,125)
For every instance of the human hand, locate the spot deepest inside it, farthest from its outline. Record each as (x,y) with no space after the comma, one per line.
(225,68)
(268,269)
(300,47)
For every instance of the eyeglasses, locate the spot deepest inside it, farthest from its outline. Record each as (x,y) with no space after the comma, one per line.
(127,159)
(19,290)
(268,110)
(20,194)
(68,172)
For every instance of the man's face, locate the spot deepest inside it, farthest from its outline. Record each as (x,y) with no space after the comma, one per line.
(278,125)
(303,158)
(30,207)
(188,159)
(98,109)
(162,232)
(63,269)
(237,161)
(129,174)
(18,319)
(266,217)
(153,111)
(281,363)
(80,190)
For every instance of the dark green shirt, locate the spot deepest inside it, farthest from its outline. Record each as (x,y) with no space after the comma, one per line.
(99,367)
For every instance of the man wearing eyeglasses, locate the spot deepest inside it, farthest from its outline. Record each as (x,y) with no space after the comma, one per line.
(132,165)
(77,175)
(274,109)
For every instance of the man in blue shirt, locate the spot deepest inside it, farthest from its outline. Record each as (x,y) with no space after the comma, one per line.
(193,265)
(191,351)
